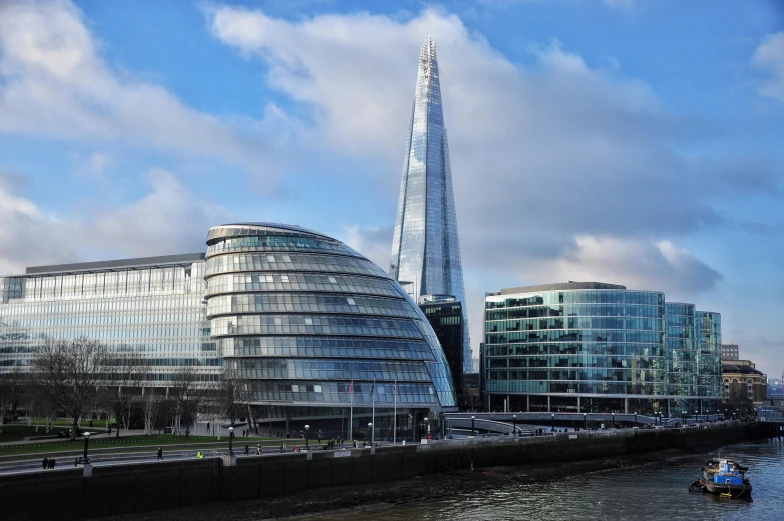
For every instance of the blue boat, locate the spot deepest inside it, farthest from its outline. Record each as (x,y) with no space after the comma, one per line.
(726,477)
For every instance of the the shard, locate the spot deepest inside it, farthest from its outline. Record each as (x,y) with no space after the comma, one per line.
(425,249)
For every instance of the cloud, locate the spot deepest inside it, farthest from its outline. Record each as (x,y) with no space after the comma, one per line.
(636,264)
(554,164)
(769,58)
(374,242)
(169,219)
(55,83)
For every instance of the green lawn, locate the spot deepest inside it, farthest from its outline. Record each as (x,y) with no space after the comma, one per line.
(125,444)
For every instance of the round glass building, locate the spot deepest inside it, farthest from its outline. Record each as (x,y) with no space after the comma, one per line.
(300,316)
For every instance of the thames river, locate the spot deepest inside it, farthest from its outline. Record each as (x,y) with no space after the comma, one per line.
(655,491)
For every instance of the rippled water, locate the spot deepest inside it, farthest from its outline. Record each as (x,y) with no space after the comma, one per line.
(656,491)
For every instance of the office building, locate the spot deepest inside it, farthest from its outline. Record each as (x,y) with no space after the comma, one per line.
(297,314)
(445,315)
(729,352)
(595,347)
(425,247)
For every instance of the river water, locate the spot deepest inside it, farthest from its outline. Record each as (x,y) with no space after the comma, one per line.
(654,491)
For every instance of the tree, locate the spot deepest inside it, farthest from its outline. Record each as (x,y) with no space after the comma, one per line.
(125,373)
(232,395)
(69,373)
(151,405)
(187,395)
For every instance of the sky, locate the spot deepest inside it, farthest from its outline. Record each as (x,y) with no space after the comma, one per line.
(635,142)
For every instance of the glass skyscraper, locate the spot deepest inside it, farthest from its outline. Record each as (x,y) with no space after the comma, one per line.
(425,248)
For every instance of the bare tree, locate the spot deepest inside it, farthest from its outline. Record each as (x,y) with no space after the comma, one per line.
(232,395)
(151,405)
(125,374)
(187,395)
(69,373)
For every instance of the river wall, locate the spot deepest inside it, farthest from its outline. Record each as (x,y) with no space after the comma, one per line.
(71,494)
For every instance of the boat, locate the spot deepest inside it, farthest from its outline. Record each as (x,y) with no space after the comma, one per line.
(726,478)
(697,486)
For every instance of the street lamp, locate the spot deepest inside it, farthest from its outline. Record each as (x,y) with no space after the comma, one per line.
(472,425)
(585,417)
(86,439)
(552,422)
(514,424)
(613,420)
(427,427)
(635,418)
(307,428)
(231,437)
(370,428)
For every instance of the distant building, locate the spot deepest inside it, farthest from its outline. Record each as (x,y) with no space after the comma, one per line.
(596,347)
(445,314)
(729,352)
(743,382)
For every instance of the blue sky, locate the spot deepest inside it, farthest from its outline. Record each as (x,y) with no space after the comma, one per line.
(627,141)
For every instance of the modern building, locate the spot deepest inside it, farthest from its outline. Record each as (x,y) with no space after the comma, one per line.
(729,352)
(425,247)
(595,347)
(708,335)
(743,383)
(296,313)
(445,314)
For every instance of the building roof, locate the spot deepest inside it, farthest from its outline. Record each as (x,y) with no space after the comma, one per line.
(739,368)
(138,262)
(561,286)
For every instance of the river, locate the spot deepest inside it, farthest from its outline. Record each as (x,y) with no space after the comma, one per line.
(654,491)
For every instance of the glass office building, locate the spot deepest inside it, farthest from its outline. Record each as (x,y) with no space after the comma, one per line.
(591,347)
(708,329)
(425,247)
(445,314)
(153,306)
(301,315)
(298,314)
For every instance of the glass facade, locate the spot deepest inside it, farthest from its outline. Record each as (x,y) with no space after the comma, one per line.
(301,316)
(152,306)
(425,247)
(708,328)
(593,347)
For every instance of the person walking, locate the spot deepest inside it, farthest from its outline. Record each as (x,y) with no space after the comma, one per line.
(199,455)
(208,426)
(45,463)
(258,450)
(246,449)
(51,463)
(160,453)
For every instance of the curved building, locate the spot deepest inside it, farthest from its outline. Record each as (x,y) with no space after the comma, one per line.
(301,316)
(575,347)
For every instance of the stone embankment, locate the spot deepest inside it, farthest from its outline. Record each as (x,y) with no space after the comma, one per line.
(76,493)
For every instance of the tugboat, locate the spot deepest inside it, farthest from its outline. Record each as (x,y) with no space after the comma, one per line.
(724,477)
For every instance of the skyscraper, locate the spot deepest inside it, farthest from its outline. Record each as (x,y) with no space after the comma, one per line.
(425,248)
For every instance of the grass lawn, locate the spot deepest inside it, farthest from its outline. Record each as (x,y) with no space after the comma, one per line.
(127,442)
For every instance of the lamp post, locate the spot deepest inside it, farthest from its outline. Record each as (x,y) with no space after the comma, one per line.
(370,433)
(635,418)
(231,437)
(613,420)
(472,425)
(696,417)
(552,422)
(427,427)
(86,439)
(307,428)
(514,425)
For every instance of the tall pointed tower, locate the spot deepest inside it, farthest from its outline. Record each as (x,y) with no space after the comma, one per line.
(425,249)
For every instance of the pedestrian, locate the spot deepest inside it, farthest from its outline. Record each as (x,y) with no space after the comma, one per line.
(160,453)
(199,455)
(258,449)
(208,426)
(45,463)
(51,463)
(246,449)
(91,423)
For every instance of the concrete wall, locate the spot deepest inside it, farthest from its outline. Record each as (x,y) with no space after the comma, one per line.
(67,495)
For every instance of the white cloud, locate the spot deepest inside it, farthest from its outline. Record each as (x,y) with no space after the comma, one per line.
(169,219)
(555,165)
(374,242)
(54,83)
(769,57)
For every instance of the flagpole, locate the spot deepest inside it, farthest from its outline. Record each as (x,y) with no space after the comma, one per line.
(373,417)
(394,418)
(351,414)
